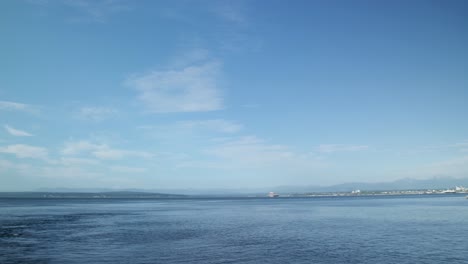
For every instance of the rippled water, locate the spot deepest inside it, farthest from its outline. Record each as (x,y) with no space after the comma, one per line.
(315,230)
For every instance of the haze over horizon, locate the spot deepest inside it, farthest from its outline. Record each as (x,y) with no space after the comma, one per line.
(231,94)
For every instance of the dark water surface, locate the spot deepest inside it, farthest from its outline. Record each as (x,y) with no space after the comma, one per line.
(315,230)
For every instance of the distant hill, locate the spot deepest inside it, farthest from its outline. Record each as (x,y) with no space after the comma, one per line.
(90,190)
(402,184)
(180,191)
(97,195)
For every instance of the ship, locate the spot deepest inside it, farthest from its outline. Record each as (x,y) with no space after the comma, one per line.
(273,195)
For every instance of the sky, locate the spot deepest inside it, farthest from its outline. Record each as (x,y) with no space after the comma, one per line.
(231,94)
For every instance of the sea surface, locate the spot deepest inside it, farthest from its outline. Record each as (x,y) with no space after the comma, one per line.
(411,229)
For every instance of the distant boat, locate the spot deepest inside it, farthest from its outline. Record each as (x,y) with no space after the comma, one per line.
(449,191)
(273,195)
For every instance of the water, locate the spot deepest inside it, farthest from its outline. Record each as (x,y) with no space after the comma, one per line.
(416,229)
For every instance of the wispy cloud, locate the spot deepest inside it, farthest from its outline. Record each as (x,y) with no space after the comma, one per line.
(14,106)
(125,169)
(101,151)
(188,58)
(115,154)
(217,125)
(87,10)
(63,174)
(77,147)
(96,113)
(65,168)
(191,89)
(6,165)
(191,131)
(462,146)
(67,172)
(97,10)
(69,161)
(25,151)
(455,167)
(230,11)
(331,148)
(17,132)
(252,152)
(250,105)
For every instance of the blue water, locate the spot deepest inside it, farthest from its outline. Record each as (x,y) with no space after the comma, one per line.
(421,229)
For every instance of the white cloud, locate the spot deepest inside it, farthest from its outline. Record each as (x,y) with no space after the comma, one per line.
(17,132)
(330,148)
(14,106)
(192,89)
(101,151)
(96,113)
(25,151)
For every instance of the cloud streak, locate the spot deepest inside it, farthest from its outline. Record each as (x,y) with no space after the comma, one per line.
(97,11)
(25,151)
(230,12)
(14,106)
(216,125)
(96,113)
(251,152)
(125,169)
(101,151)
(455,167)
(16,132)
(331,148)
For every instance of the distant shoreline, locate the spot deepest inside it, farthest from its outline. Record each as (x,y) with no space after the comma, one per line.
(135,195)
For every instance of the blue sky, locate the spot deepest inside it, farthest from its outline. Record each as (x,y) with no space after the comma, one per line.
(231,94)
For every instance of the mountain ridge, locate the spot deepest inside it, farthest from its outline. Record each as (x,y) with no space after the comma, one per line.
(400,184)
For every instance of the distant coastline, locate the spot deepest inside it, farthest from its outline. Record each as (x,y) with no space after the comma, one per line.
(153,195)
(89,195)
